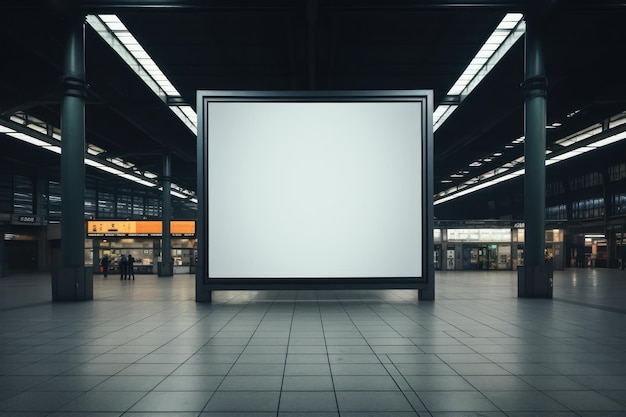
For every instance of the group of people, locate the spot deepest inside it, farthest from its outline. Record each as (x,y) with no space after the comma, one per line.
(127,266)
(126,263)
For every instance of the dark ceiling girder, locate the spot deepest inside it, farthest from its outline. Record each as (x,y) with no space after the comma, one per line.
(311,17)
(102,6)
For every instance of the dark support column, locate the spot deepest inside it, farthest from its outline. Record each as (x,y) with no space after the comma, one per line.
(72,281)
(166,268)
(534,277)
(3,265)
(203,294)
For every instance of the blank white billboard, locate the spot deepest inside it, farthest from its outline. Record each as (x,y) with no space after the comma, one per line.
(314,189)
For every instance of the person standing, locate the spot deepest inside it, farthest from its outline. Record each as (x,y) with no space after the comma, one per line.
(104,262)
(123,267)
(131,266)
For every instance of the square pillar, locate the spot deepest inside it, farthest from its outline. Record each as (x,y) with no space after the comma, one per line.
(72,283)
(534,281)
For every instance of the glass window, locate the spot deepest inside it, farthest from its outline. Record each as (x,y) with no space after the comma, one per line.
(106,207)
(22,195)
(54,201)
(138,204)
(6,193)
(124,204)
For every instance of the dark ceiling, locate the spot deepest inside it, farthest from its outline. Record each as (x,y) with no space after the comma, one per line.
(304,45)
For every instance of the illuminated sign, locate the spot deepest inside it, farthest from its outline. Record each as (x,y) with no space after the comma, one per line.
(139,228)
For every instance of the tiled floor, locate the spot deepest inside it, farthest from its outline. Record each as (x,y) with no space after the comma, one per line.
(146,348)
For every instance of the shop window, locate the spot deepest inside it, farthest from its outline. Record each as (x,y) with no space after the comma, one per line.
(587,209)
(555,188)
(91,203)
(124,204)
(617,172)
(619,204)
(106,207)
(6,193)
(558,212)
(22,195)
(138,204)
(153,207)
(54,201)
(588,180)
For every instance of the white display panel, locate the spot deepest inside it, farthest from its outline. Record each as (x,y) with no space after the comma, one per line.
(314,189)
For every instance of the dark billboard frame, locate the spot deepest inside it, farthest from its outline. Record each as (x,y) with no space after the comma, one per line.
(424,283)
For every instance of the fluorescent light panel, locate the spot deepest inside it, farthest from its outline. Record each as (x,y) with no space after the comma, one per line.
(115,33)
(508,31)
(571,140)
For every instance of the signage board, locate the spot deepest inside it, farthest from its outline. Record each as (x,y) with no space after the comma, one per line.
(315,188)
(139,228)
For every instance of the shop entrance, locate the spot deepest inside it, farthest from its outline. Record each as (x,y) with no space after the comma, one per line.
(479,257)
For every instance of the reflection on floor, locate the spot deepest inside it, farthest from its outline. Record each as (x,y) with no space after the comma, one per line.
(146,348)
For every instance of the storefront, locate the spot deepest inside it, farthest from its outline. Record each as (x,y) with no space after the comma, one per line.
(489,246)
(142,240)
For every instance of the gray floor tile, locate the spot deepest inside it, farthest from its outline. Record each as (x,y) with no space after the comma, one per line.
(207,383)
(372,401)
(307,383)
(203,369)
(70,383)
(498,383)
(489,354)
(103,401)
(33,401)
(129,383)
(438,383)
(257,369)
(552,382)
(586,401)
(249,401)
(251,383)
(466,401)
(533,401)
(174,401)
(303,401)
(425,369)
(357,369)
(364,383)
(307,369)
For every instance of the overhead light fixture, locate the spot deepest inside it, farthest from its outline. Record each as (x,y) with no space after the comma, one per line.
(508,31)
(114,166)
(574,113)
(114,32)
(586,140)
(441,114)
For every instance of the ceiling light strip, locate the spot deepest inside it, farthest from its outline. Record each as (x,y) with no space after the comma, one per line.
(119,38)
(591,143)
(506,34)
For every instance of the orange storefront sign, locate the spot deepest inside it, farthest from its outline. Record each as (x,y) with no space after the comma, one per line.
(112,228)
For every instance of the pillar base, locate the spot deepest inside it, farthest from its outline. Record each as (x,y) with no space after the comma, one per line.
(427,293)
(534,281)
(203,295)
(165,269)
(72,283)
